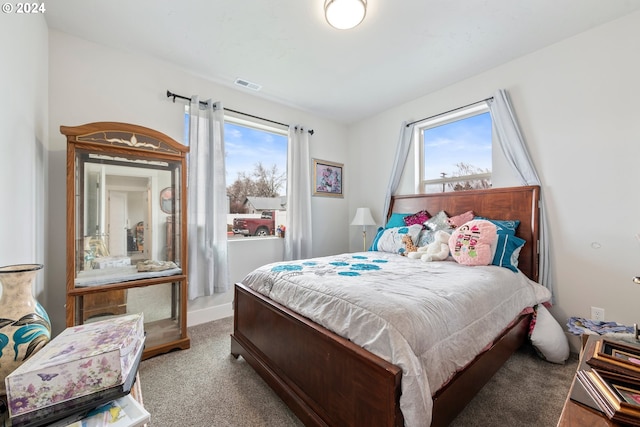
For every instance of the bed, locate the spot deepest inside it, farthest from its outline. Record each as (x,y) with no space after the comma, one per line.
(327,379)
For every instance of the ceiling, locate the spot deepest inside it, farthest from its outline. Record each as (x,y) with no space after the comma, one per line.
(404,49)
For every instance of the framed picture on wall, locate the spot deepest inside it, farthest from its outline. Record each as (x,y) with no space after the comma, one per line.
(327,178)
(166,200)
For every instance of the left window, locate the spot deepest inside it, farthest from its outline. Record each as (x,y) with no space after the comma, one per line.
(256,177)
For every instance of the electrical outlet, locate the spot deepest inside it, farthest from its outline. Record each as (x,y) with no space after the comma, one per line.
(597,313)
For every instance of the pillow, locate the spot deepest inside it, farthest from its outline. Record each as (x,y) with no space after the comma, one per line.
(374,244)
(438,222)
(417,218)
(473,243)
(547,336)
(504,226)
(507,251)
(458,220)
(390,239)
(425,237)
(396,220)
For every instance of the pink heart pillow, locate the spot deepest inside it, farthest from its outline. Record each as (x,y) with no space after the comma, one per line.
(473,243)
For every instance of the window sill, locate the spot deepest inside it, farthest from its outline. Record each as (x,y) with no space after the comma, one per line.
(253,239)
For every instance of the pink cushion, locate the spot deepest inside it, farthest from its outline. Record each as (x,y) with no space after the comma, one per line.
(473,242)
(458,220)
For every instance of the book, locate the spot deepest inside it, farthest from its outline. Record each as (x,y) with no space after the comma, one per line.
(123,412)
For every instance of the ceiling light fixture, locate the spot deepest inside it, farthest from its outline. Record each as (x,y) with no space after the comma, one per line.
(345,14)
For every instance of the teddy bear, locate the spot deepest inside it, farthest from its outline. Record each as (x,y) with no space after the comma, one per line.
(438,250)
(409,247)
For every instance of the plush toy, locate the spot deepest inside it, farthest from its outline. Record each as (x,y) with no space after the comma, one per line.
(438,250)
(409,247)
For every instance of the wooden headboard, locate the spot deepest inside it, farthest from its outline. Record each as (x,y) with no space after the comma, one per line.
(496,203)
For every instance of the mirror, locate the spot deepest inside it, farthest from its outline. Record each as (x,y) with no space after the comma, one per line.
(125,210)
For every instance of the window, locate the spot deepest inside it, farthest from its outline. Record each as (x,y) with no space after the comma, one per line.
(455,151)
(256,162)
(256,175)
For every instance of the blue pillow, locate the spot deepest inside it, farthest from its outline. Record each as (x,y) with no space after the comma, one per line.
(507,251)
(506,226)
(374,244)
(396,220)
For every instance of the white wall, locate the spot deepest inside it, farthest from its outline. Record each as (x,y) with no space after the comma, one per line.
(23,143)
(578,105)
(91,82)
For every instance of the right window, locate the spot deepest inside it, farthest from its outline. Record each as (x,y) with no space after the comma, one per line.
(455,150)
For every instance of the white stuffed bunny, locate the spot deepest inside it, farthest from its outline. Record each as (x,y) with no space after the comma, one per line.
(438,250)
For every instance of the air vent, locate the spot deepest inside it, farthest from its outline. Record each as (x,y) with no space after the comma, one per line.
(248,85)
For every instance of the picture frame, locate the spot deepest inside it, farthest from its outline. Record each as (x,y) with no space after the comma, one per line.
(615,356)
(328,178)
(166,200)
(617,396)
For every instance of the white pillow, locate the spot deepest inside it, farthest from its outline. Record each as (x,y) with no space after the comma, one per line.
(548,337)
(390,239)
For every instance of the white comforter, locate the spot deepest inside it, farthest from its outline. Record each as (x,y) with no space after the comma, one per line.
(430,319)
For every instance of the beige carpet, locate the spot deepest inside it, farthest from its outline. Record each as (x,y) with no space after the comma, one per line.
(205,386)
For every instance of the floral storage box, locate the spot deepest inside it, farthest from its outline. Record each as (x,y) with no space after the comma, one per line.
(82,360)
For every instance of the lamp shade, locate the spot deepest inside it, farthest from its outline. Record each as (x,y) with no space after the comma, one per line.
(363,217)
(345,14)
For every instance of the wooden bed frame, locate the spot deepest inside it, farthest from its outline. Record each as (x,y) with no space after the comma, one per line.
(327,380)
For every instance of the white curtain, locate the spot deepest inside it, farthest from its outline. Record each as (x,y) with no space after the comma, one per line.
(297,238)
(513,145)
(402,152)
(207,201)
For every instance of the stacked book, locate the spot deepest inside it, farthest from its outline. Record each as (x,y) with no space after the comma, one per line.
(609,378)
(86,371)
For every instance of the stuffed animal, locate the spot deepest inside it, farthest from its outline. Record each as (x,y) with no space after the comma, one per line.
(409,247)
(438,250)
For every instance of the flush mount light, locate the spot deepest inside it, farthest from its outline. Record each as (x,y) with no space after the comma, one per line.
(344,14)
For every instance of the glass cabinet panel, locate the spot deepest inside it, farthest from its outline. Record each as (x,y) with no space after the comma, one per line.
(160,304)
(126,229)
(123,209)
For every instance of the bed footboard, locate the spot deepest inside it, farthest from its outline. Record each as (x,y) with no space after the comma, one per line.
(452,398)
(325,379)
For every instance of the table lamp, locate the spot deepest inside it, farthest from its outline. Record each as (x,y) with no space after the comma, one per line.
(363,217)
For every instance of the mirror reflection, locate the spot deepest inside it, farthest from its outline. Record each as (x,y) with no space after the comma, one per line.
(125,214)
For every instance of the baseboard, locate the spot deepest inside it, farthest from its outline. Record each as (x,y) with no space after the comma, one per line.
(209,314)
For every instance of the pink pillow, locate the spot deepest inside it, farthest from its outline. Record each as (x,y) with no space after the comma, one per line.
(417,218)
(458,220)
(473,243)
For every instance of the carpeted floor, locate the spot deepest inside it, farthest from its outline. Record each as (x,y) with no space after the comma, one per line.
(205,386)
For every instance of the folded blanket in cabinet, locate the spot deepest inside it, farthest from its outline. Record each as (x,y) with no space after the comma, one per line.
(151,265)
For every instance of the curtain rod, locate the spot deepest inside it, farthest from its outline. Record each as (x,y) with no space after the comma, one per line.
(174,96)
(450,111)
